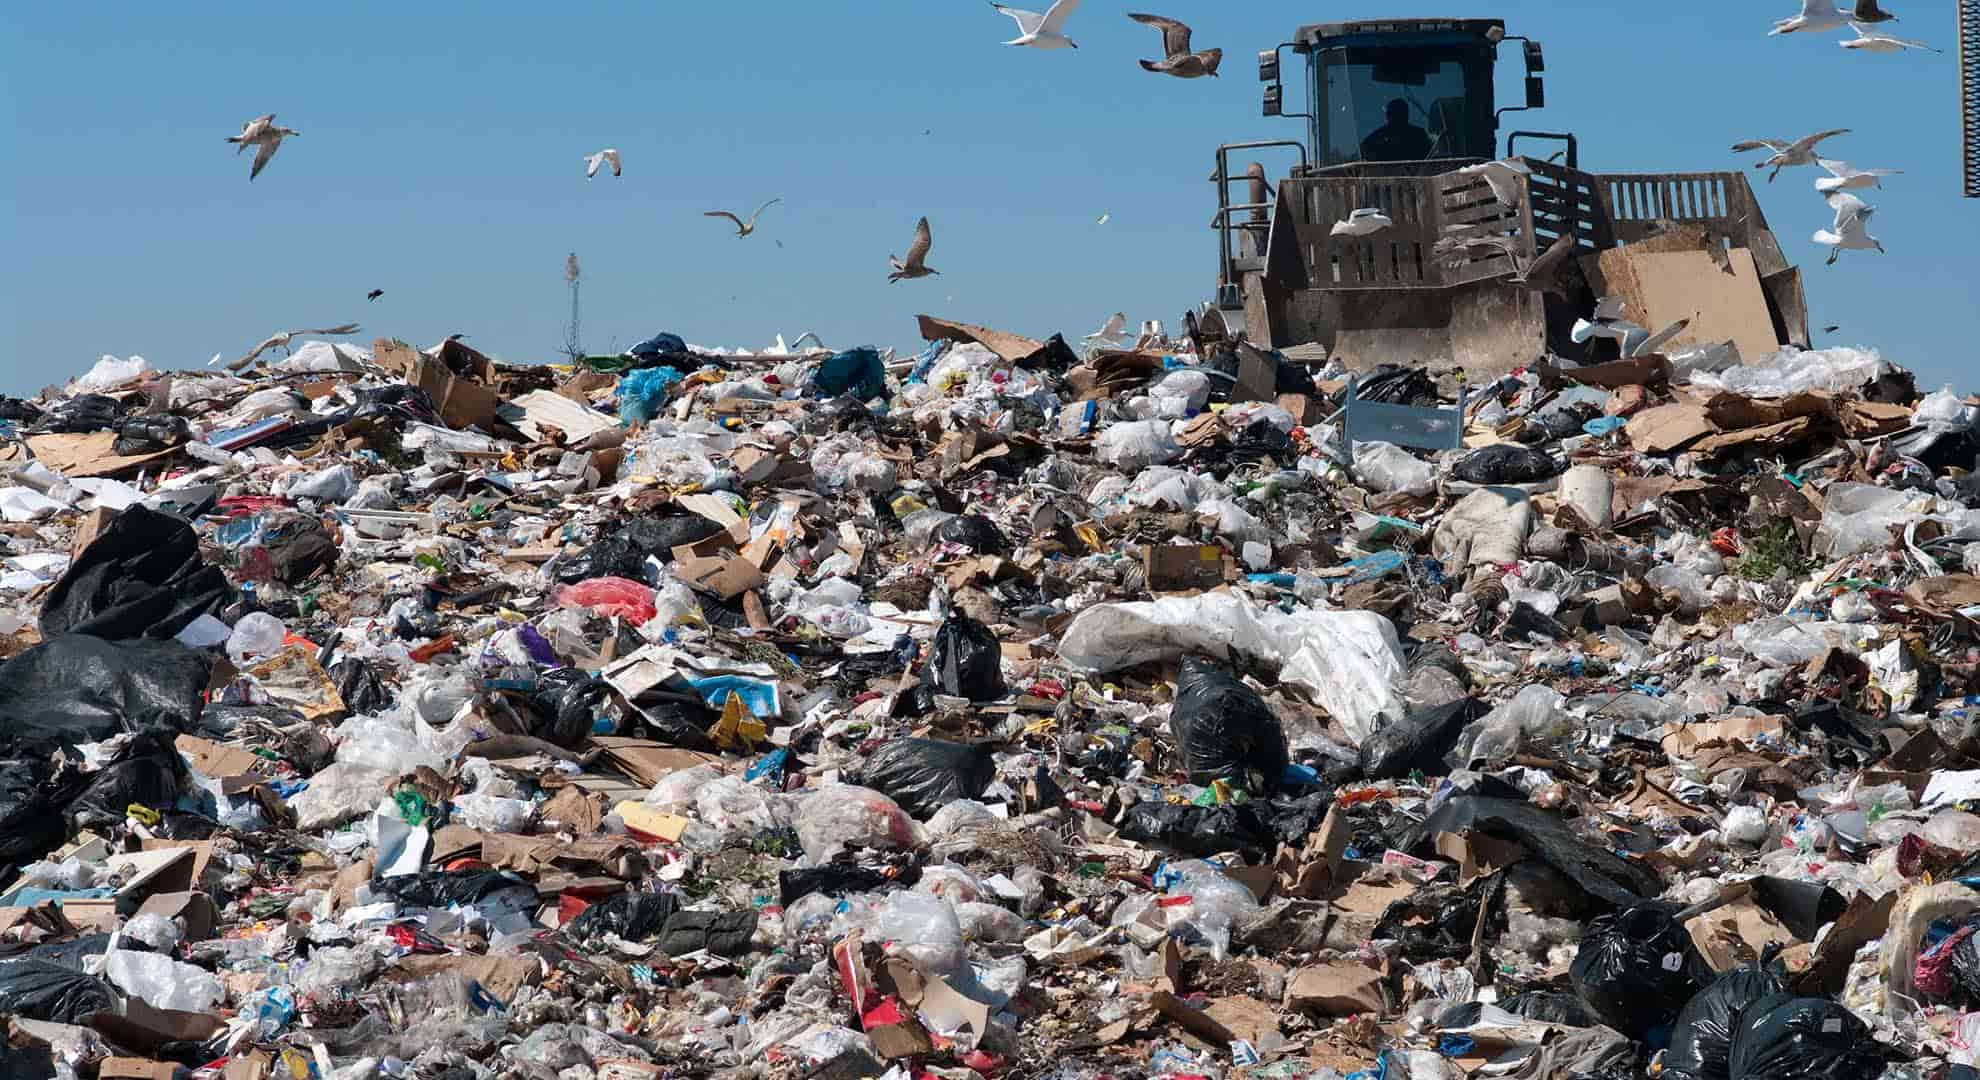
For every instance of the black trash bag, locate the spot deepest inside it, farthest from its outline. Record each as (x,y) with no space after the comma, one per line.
(1637,967)
(975,532)
(1418,741)
(77,689)
(965,660)
(150,434)
(565,702)
(1551,1006)
(1225,731)
(40,990)
(1784,1037)
(1803,907)
(633,916)
(31,823)
(358,684)
(677,723)
(724,933)
(147,771)
(141,577)
(1199,830)
(298,548)
(82,413)
(1599,873)
(1701,1041)
(220,720)
(1393,385)
(1262,439)
(443,888)
(70,954)
(18,411)
(836,879)
(660,344)
(924,775)
(624,551)
(1506,464)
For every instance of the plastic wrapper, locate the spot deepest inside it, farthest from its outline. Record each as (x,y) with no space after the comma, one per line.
(258,634)
(1782,1037)
(492,813)
(457,888)
(359,687)
(338,794)
(1135,445)
(1216,901)
(1225,731)
(924,775)
(1793,371)
(615,597)
(733,805)
(1636,968)
(1388,468)
(988,922)
(1701,1040)
(1419,740)
(924,927)
(162,982)
(837,816)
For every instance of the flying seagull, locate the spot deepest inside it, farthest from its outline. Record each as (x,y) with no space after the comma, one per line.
(1544,272)
(281,341)
(1047,31)
(1177,60)
(1844,176)
(743,228)
(607,156)
(262,134)
(915,265)
(1361,223)
(1867,12)
(1109,333)
(1504,179)
(1851,231)
(1104,218)
(1817,17)
(1880,42)
(374,294)
(1799,152)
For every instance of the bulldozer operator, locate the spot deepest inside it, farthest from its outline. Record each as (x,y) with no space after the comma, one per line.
(1398,139)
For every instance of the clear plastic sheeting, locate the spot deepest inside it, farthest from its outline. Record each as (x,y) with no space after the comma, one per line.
(1792,371)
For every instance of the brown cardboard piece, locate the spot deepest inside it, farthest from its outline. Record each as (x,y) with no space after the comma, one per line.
(724,577)
(1177,568)
(1659,287)
(1011,347)
(461,403)
(1477,854)
(194,907)
(248,1065)
(1195,1021)
(646,760)
(217,761)
(141,1027)
(1337,990)
(1736,933)
(1668,427)
(92,454)
(92,524)
(124,1068)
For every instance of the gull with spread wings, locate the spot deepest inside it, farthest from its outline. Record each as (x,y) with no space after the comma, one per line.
(916,263)
(1177,58)
(262,134)
(1799,152)
(743,228)
(1047,31)
(281,341)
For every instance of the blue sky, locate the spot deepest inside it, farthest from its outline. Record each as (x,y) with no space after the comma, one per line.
(441,152)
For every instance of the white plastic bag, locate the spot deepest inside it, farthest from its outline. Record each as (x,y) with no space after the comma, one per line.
(924,927)
(1386,467)
(111,372)
(838,816)
(1136,445)
(160,981)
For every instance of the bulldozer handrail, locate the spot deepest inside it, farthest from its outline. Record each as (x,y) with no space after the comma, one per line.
(1222,222)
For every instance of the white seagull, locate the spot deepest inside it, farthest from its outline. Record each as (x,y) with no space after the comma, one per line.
(1877,41)
(281,341)
(1799,152)
(262,134)
(743,228)
(1817,17)
(1045,31)
(1111,333)
(1361,223)
(1851,232)
(1844,176)
(1504,179)
(607,156)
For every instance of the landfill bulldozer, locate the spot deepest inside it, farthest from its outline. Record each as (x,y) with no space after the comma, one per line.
(1401,121)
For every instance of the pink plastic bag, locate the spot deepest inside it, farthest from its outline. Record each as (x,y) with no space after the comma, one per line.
(619,596)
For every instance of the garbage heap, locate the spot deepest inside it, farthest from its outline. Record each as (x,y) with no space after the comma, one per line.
(1178,709)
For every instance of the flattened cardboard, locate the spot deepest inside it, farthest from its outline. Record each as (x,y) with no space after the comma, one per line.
(724,577)
(123,1068)
(141,1027)
(1011,347)
(646,760)
(460,403)
(92,454)
(1337,990)
(195,908)
(1668,427)
(1177,567)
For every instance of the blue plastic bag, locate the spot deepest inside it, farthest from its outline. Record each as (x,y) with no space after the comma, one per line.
(643,393)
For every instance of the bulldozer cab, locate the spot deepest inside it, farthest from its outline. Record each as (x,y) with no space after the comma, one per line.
(1401,118)
(1415,92)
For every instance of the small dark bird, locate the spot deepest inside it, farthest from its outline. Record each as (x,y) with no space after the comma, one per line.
(455,337)
(374,294)
(1867,11)
(1832,329)
(1177,60)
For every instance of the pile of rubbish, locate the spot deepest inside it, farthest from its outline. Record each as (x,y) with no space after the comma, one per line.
(1174,710)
